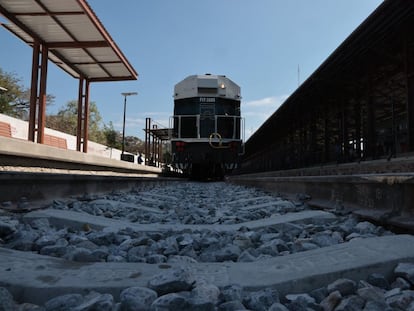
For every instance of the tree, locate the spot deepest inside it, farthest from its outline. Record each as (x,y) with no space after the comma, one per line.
(14,91)
(113,138)
(134,145)
(21,106)
(16,101)
(66,120)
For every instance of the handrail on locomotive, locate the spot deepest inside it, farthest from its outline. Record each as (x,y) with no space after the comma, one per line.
(214,137)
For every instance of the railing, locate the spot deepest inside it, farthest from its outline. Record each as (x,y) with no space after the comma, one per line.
(198,126)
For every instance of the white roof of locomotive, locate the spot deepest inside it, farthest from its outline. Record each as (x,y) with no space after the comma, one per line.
(207,85)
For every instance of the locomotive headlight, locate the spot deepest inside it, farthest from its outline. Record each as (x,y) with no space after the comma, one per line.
(222,86)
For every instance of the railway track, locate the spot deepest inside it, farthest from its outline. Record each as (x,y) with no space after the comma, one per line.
(199,246)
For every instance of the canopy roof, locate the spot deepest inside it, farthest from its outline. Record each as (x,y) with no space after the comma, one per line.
(162,133)
(76,39)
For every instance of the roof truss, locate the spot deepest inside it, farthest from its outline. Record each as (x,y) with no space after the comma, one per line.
(77,41)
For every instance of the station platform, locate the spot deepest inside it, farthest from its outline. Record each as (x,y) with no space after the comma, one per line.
(380,190)
(23,155)
(32,173)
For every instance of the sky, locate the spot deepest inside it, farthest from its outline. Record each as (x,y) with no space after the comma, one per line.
(267,47)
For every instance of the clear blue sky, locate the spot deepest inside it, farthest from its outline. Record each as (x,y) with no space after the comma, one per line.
(259,44)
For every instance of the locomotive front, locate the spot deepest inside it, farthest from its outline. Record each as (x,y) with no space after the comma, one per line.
(207,126)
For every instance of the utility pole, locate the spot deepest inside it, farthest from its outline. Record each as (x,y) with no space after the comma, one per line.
(123,124)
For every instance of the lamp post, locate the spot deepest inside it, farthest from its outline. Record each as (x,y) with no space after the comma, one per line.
(123,126)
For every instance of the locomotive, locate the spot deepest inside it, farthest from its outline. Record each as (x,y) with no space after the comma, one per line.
(207,136)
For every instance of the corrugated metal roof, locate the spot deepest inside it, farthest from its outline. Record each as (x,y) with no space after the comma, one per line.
(77,41)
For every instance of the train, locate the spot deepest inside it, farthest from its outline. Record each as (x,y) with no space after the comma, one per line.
(207,127)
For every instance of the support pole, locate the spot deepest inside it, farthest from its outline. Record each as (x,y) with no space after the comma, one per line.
(326,137)
(86,117)
(82,129)
(147,139)
(80,116)
(37,114)
(123,125)
(358,122)
(154,147)
(41,118)
(409,77)
(33,92)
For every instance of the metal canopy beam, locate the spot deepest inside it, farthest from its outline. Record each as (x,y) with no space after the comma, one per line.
(69,34)
(73,34)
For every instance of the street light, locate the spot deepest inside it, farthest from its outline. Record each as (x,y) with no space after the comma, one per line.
(123,126)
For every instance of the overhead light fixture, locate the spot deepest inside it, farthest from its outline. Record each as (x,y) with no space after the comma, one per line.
(129,93)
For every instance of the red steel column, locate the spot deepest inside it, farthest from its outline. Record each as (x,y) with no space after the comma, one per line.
(41,123)
(83,116)
(79,123)
(37,114)
(86,117)
(33,92)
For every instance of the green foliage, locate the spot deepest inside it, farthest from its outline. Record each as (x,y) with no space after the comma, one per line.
(14,91)
(113,138)
(16,101)
(66,120)
(134,145)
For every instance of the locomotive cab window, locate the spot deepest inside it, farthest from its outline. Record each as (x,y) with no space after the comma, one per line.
(225,126)
(185,126)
